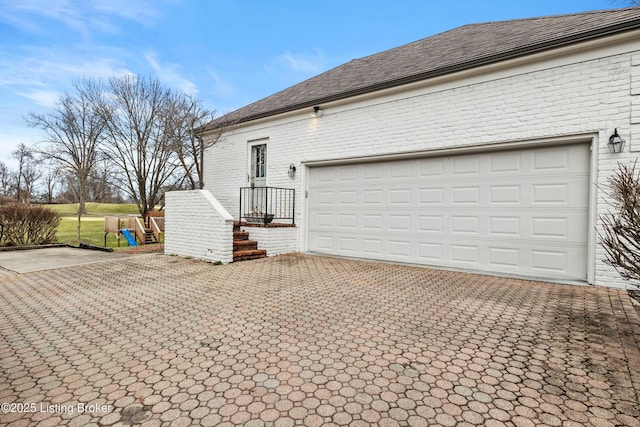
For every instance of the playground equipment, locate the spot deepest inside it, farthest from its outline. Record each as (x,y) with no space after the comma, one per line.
(137,231)
(127,235)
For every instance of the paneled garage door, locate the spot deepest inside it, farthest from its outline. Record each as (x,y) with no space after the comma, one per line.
(521,212)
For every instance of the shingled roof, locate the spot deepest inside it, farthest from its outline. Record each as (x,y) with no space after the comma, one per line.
(459,49)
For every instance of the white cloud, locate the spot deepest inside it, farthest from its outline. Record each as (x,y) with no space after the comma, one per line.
(220,87)
(46,98)
(16,80)
(170,74)
(142,12)
(83,17)
(303,63)
(38,67)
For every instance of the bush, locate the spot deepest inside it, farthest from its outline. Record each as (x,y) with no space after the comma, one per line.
(27,225)
(621,228)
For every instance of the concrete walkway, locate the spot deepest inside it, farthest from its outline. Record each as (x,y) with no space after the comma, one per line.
(315,341)
(29,260)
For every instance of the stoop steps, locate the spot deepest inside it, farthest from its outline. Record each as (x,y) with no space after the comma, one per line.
(243,248)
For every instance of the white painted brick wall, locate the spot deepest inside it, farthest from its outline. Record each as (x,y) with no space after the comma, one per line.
(197,226)
(577,93)
(276,240)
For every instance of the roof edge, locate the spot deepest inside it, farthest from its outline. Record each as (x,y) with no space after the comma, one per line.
(619,28)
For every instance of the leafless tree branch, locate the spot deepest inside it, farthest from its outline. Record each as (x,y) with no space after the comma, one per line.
(621,227)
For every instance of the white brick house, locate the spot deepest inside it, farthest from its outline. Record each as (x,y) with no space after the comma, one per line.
(478,149)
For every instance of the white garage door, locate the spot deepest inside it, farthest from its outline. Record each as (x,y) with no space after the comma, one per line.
(520,212)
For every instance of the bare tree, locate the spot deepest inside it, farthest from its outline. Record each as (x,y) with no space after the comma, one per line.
(139,112)
(101,188)
(31,173)
(189,146)
(7,179)
(27,173)
(51,181)
(73,136)
(621,235)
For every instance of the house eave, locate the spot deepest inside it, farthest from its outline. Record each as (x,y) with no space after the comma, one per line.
(523,51)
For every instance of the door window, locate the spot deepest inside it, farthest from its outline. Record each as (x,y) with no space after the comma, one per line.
(258,161)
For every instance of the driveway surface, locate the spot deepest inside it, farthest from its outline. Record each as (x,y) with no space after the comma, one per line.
(314,341)
(29,260)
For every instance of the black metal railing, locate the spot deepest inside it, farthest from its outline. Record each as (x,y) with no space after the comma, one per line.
(263,205)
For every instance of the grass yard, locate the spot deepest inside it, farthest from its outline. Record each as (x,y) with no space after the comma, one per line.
(92,225)
(95,209)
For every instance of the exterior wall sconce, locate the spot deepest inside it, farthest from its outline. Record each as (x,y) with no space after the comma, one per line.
(616,143)
(316,112)
(292,170)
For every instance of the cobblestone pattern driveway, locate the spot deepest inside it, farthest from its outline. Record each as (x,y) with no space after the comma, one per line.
(314,341)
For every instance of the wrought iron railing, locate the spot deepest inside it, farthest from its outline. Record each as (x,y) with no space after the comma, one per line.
(263,205)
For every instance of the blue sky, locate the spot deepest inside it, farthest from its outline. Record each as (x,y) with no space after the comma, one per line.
(229,53)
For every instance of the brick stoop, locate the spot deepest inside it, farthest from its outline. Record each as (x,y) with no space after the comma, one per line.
(243,248)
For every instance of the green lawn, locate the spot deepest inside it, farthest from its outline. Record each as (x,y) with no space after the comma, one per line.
(92,225)
(95,209)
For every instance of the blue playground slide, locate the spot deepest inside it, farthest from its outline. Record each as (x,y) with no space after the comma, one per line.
(127,235)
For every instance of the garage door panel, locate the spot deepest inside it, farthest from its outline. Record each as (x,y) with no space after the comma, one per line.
(465,166)
(372,197)
(372,222)
(551,159)
(430,223)
(372,246)
(466,254)
(546,260)
(521,211)
(550,193)
(503,163)
(400,196)
(549,227)
(373,171)
(324,220)
(504,258)
(431,167)
(465,195)
(324,176)
(504,226)
(431,196)
(430,253)
(465,224)
(399,222)
(568,193)
(401,169)
(349,221)
(501,194)
(326,197)
(322,242)
(347,245)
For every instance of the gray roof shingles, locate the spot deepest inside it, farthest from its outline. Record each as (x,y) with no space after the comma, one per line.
(462,48)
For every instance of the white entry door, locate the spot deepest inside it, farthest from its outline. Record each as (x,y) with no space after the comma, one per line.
(258,178)
(521,212)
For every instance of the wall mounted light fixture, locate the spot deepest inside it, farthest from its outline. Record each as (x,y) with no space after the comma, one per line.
(616,143)
(316,112)
(292,170)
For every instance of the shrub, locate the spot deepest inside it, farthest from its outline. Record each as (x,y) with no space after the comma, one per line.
(27,225)
(621,235)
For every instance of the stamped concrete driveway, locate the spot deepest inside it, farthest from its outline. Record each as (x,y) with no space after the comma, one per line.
(309,340)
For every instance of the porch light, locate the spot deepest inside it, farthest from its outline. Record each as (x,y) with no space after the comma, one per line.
(616,143)
(292,170)
(316,112)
